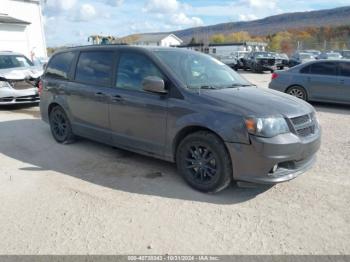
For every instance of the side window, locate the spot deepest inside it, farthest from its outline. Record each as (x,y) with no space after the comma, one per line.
(95,67)
(305,70)
(344,69)
(59,66)
(325,68)
(132,69)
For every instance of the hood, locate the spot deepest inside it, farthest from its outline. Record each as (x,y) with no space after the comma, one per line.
(253,101)
(21,73)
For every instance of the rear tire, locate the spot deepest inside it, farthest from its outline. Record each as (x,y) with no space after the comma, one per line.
(61,128)
(298,92)
(204,163)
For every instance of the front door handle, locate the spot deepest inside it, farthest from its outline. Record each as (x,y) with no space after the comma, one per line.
(117,98)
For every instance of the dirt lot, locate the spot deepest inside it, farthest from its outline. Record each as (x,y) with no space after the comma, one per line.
(87,198)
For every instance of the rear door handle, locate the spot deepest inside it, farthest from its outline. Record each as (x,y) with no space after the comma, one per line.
(100,94)
(117,98)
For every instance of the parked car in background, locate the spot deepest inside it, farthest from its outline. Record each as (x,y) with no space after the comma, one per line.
(345,54)
(282,60)
(314,52)
(243,62)
(300,58)
(321,80)
(230,61)
(330,55)
(181,106)
(262,61)
(19,79)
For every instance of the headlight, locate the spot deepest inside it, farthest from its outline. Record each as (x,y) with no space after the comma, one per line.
(4,84)
(266,127)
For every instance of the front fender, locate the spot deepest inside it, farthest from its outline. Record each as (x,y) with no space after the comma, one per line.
(230,128)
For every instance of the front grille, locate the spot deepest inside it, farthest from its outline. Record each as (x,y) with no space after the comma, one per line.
(304,125)
(304,132)
(27,98)
(271,61)
(6,99)
(300,120)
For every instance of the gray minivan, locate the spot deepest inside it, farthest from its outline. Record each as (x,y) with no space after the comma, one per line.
(181,106)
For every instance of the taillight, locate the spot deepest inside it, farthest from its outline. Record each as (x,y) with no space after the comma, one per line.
(274,76)
(40,87)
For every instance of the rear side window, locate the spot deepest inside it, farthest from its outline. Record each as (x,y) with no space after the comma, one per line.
(344,69)
(95,67)
(59,66)
(325,68)
(305,70)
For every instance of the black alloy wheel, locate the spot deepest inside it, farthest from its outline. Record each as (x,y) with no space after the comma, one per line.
(203,161)
(60,126)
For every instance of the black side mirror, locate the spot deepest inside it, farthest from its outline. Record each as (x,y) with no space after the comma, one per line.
(154,84)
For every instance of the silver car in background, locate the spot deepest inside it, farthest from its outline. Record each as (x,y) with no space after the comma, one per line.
(19,79)
(321,80)
(330,55)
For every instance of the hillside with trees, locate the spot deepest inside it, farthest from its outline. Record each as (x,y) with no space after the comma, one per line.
(321,38)
(271,25)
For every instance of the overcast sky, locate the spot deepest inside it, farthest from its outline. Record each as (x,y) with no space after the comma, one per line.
(72,21)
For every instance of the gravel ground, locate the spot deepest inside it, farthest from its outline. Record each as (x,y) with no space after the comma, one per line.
(88,198)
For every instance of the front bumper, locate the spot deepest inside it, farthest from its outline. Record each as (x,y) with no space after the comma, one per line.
(264,67)
(19,100)
(255,162)
(9,96)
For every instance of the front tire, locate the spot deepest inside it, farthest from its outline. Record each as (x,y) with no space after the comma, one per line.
(61,128)
(204,163)
(298,92)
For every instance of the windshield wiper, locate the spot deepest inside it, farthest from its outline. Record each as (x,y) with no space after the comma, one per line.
(202,87)
(239,85)
(207,87)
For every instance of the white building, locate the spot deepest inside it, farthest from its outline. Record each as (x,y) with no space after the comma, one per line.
(227,49)
(21,27)
(165,40)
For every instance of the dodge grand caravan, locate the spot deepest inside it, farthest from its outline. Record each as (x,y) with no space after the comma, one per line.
(180,106)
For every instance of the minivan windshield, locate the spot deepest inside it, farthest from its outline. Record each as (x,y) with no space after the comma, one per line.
(197,70)
(13,61)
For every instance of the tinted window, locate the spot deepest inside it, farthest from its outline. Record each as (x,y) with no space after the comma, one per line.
(95,67)
(13,61)
(59,66)
(305,70)
(344,69)
(132,69)
(325,68)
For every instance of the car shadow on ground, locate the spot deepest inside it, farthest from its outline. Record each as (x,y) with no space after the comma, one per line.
(30,141)
(332,108)
(28,109)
